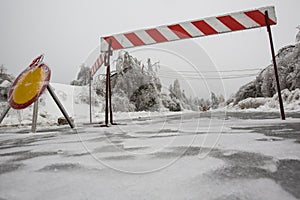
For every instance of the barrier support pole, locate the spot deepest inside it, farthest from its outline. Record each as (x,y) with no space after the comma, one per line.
(275,66)
(108,105)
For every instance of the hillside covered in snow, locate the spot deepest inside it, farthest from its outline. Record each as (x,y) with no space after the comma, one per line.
(288,61)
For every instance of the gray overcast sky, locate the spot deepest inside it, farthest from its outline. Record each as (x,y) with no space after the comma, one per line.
(67,31)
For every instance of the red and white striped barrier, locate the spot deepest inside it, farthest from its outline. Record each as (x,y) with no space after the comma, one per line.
(98,63)
(196,28)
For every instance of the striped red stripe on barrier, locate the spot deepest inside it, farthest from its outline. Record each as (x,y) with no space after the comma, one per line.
(197,28)
(98,63)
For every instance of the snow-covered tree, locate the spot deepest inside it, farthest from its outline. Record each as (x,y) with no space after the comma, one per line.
(3,70)
(82,76)
(298,35)
(132,86)
(288,61)
(5,82)
(214,100)
(146,98)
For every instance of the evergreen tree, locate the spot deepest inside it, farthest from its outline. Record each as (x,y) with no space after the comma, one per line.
(214,101)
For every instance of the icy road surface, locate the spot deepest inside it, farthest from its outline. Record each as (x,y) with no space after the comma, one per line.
(185,156)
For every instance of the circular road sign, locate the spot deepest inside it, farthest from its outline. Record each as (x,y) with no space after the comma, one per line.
(29,86)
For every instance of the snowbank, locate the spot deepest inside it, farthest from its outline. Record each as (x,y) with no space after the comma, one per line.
(75,100)
(291,101)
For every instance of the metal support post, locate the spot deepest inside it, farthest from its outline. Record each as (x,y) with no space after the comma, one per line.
(275,66)
(60,106)
(107,95)
(4,113)
(110,103)
(34,116)
(108,85)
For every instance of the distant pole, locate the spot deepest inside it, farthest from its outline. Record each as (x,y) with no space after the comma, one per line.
(90,94)
(275,66)
(34,116)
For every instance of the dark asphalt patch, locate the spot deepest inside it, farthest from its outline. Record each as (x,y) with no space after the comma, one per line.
(30,155)
(9,167)
(27,141)
(122,157)
(61,167)
(15,153)
(288,176)
(182,151)
(286,131)
(109,149)
(117,148)
(244,165)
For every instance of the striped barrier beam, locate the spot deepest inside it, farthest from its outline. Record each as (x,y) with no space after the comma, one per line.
(98,63)
(197,28)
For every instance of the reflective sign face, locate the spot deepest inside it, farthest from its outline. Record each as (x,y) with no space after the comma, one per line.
(29,85)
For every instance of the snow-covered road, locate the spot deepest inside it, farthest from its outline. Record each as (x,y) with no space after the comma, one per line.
(184,156)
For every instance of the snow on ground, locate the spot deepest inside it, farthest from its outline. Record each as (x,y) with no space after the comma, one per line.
(148,155)
(184,156)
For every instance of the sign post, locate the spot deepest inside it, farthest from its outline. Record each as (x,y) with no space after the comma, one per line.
(34,116)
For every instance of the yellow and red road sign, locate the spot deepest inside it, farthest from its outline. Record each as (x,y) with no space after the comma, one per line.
(29,86)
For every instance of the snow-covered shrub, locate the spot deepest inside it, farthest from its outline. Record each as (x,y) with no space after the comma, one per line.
(122,104)
(146,98)
(252,102)
(172,104)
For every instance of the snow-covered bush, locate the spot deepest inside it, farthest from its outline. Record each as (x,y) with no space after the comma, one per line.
(172,104)
(121,103)
(146,98)
(252,102)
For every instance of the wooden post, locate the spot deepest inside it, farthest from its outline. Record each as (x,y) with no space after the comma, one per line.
(275,66)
